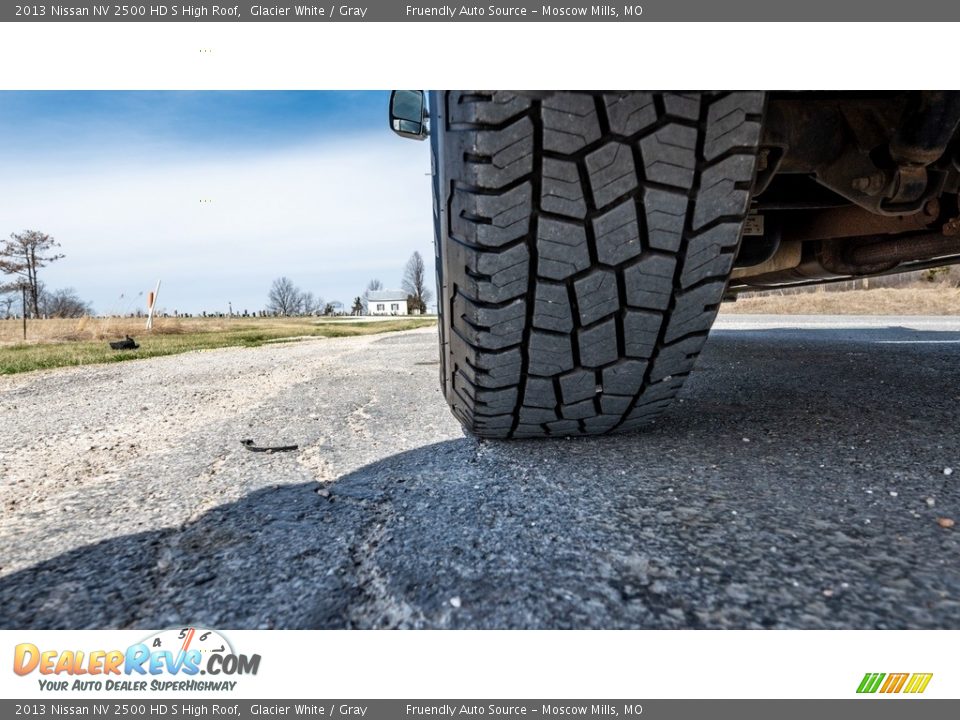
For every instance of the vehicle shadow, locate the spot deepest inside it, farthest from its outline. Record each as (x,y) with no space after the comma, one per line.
(799,482)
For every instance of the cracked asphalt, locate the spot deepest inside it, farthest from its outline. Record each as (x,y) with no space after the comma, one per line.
(804,480)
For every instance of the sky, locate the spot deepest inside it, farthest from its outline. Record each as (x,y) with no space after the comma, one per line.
(215,194)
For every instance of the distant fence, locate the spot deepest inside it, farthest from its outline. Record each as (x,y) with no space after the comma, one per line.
(936,277)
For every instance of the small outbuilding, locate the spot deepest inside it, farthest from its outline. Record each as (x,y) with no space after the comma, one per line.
(386,302)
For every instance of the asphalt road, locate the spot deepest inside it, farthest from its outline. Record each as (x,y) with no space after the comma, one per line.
(801,482)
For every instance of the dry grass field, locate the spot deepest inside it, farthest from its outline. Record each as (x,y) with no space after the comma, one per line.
(60,342)
(879,301)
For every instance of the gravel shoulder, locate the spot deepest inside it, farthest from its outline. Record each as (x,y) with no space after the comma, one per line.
(800,482)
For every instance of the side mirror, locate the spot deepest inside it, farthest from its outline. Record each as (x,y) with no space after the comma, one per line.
(408,113)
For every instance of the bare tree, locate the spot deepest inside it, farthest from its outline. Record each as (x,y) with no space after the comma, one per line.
(23,255)
(357,308)
(9,294)
(415,283)
(311,304)
(284,297)
(63,303)
(372,286)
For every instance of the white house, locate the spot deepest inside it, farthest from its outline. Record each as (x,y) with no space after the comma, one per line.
(386,302)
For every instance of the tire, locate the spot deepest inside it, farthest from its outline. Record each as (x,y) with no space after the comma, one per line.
(584,242)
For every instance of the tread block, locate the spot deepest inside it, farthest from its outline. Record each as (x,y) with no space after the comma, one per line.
(597,295)
(551,310)
(570,122)
(561,249)
(579,410)
(710,254)
(612,173)
(669,155)
(496,277)
(617,233)
(629,113)
(649,282)
(624,378)
(531,430)
(489,327)
(549,354)
(495,158)
(694,310)
(600,423)
(560,189)
(539,392)
(499,401)
(641,329)
(501,377)
(564,427)
(485,106)
(598,344)
(682,105)
(614,404)
(488,369)
(666,214)
(728,124)
(536,416)
(724,190)
(578,385)
(491,220)
(498,423)
(677,358)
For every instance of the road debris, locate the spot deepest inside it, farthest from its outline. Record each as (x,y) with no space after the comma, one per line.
(945,522)
(253,447)
(128,343)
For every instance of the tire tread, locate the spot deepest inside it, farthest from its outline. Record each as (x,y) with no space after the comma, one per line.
(584,242)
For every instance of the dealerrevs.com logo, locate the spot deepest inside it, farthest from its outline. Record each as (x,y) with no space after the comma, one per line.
(910,683)
(169,660)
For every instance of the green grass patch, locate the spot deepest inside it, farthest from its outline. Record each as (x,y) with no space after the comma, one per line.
(190,336)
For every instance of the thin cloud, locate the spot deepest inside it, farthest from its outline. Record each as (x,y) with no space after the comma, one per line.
(330,215)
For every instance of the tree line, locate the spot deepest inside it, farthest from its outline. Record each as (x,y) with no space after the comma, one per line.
(285,298)
(23,255)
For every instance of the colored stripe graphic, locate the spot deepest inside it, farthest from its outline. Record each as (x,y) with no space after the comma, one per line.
(894,683)
(870,682)
(918,682)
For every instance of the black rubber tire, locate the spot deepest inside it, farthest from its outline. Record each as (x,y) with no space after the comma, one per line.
(584,242)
